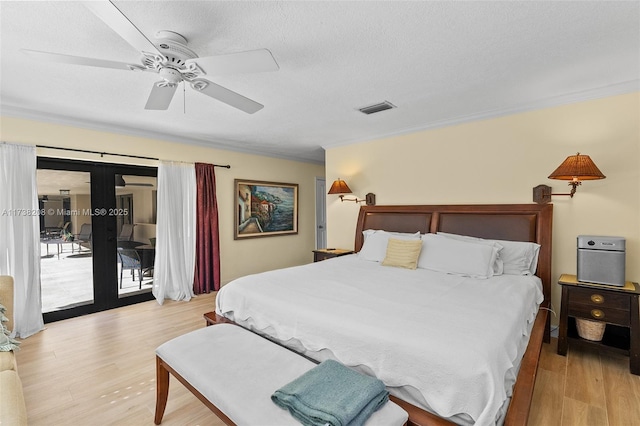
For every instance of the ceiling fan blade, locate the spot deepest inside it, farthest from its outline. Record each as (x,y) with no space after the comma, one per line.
(160,96)
(79,60)
(225,95)
(113,17)
(259,60)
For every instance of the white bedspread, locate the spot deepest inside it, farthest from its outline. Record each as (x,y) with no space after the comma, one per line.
(453,339)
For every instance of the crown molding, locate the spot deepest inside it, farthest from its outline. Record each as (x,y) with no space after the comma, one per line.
(227,145)
(230,145)
(570,98)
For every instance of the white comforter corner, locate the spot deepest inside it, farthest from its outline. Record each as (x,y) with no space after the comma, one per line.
(450,340)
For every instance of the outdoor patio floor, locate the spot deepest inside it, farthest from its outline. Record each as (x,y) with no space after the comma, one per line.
(68,281)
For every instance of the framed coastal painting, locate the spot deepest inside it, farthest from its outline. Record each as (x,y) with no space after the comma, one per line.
(265,209)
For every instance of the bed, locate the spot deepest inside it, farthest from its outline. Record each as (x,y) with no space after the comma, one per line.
(417,330)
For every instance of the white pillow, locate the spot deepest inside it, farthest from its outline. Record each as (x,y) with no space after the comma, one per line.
(375,243)
(498,266)
(518,257)
(457,257)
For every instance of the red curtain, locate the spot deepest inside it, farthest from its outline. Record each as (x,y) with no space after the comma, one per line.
(207,274)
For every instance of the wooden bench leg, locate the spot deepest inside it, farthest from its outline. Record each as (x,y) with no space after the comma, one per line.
(162,389)
(162,392)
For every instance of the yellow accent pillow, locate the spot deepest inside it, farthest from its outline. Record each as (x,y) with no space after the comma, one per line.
(402,253)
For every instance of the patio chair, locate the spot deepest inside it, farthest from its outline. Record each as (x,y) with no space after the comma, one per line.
(126,233)
(83,239)
(130,261)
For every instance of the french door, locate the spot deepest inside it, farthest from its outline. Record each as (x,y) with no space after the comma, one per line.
(97,235)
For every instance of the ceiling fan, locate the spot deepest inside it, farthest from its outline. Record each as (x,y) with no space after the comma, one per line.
(172,60)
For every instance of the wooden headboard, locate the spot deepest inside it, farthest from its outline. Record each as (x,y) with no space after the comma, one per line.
(514,222)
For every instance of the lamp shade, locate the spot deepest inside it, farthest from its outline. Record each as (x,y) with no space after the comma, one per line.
(577,168)
(339,187)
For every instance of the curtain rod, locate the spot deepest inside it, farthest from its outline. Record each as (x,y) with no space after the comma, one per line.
(102,154)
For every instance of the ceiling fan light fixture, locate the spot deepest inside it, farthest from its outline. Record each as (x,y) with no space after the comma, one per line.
(171,75)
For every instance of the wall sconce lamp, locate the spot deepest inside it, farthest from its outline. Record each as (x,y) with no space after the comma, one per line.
(575,169)
(340,187)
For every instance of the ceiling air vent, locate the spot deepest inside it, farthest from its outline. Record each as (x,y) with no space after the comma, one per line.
(372,109)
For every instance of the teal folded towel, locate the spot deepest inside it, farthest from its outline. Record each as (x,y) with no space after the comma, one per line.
(332,394)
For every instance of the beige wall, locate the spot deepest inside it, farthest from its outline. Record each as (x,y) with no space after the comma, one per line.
(238,258)
(500,161)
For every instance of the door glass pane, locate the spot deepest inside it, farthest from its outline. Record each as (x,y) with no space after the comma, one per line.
(64,198)
(136,229)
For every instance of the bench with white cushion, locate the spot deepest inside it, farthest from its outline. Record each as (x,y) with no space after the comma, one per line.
(234,372)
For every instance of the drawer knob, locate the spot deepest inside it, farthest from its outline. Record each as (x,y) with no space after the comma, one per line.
(597,298)
(597,313)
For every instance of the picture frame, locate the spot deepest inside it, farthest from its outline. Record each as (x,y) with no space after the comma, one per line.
(265,209)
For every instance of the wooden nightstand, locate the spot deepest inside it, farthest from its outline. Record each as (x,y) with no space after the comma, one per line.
(616,306)
(323,254)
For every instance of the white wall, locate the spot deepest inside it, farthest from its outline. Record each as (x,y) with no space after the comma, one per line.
(237,258)
(500,161)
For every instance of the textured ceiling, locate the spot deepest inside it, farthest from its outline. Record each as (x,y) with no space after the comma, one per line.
(440,63)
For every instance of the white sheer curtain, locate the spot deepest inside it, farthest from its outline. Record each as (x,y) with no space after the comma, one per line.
(20,235)
(175,232)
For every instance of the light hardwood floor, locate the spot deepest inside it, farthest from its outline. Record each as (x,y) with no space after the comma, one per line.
(588,387)
(99,369)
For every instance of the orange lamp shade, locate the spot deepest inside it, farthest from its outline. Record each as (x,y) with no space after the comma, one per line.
(339,187)
(577,168)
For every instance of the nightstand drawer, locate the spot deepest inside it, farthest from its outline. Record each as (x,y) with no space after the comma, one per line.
(599,313)
(599,299)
